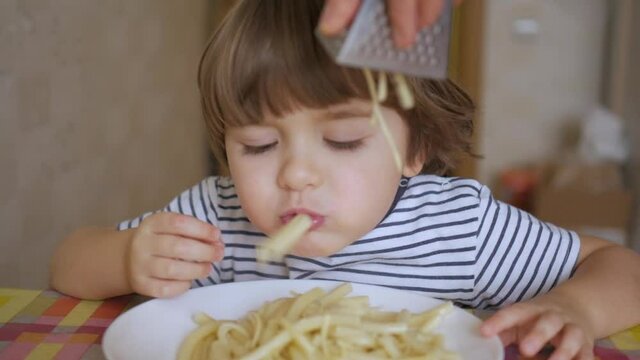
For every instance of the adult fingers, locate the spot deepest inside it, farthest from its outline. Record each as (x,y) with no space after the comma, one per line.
(428,12)
(403,16)
(181,225)
(171,269)
(543,330)
(176,247)
(337,15)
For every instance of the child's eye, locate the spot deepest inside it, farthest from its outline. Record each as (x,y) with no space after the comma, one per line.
(259,149)
(344,145)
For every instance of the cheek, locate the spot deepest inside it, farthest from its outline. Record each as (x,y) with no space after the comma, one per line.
(254,189)
(365,197)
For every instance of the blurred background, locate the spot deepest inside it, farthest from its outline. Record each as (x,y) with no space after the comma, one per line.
(100,117)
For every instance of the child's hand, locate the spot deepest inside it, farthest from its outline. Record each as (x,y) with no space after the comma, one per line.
(168,251)
(534,323)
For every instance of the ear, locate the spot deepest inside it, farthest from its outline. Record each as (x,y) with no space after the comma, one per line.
(414,166)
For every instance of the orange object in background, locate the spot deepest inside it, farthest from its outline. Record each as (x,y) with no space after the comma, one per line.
(518,187)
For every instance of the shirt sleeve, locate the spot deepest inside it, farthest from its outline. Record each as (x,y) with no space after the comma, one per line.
(198,201)
(518,256)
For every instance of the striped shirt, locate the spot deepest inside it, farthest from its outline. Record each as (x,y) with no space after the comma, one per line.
(444,237)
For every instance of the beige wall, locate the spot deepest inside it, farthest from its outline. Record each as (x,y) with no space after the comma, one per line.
(99,118)
(536,86)
(623,91)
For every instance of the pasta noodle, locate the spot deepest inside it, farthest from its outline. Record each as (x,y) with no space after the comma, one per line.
(380,95)
(319,325)
(283,241)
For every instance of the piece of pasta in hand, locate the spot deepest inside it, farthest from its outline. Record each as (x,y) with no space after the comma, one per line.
(320,325)
(281,243)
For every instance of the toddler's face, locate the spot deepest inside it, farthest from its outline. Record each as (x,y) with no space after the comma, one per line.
(329,163)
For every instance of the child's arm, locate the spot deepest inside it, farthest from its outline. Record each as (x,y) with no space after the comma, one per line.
(602,297)
(160,258)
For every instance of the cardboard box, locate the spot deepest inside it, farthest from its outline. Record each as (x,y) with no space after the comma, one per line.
(590,199)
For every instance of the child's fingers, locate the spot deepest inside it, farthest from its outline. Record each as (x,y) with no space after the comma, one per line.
(507,318)
(572,342)
(337,15)
(543,330)
(177,247)
(171,269)
(185,226)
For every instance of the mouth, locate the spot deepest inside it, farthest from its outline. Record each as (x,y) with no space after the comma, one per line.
(317,219)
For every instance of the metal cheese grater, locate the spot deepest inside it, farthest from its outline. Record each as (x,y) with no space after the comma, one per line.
(368,44)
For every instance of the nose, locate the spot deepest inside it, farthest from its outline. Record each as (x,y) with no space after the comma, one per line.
(299,172)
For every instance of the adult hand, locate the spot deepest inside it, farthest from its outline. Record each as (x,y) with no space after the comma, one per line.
(407,17)
(547,319)
(168,251)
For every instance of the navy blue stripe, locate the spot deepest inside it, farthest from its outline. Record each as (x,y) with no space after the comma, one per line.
(211,205)
(411,288)
(414,231)
(211,280)
(251,260)
(461,209)
(230,219)
(452,199)
(203,204)
(404,276)
(431,290)
(179,200)
(304,275)
(257,273)
(424,266)
(232,196)
(433,253)
(223,186)
(404,247)
(193,209)
(566,257)
(199,283)
(242,232)
(239,246)
(229,207)
(487,238)
(171,208)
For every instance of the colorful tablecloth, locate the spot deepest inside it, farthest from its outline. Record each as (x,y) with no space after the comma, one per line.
(47,325)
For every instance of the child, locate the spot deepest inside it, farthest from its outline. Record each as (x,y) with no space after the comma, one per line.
(293,131)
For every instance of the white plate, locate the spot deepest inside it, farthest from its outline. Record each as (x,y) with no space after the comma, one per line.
(155,329)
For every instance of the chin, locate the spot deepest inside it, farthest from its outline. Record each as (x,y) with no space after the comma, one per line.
(307,249)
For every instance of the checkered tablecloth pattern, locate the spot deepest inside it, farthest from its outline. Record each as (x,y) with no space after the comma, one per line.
(47,325)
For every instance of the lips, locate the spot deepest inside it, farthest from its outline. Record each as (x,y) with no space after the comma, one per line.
(316,218)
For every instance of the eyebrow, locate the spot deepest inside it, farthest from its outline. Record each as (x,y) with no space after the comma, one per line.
(339,114)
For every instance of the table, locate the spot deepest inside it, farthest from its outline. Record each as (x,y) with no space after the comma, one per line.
(37,324)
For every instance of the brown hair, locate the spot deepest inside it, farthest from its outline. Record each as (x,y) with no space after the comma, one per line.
(265,57)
